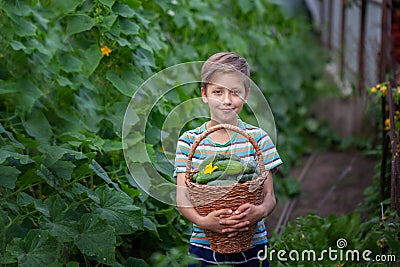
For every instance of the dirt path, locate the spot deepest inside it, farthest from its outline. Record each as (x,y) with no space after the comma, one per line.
(331,183)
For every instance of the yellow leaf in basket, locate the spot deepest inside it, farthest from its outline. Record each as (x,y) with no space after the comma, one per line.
(210,168)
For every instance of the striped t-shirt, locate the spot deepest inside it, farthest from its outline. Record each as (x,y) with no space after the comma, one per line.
(238,145)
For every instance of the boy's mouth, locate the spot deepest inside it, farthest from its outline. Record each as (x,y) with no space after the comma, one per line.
(227,109)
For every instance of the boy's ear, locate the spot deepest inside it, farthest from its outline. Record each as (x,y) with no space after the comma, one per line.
(204,94)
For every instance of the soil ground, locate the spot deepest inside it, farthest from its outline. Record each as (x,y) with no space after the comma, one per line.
(331,183)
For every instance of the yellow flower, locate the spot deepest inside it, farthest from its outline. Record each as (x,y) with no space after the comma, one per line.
(303,236)
(105,50)
(373,90)
(210,168)
(383,90)
(387,124)
(398,90)
(381,242)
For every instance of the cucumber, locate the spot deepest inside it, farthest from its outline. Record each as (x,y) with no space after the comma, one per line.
(247,177)
(250,166)
(220,182)
(209,159)
(229,177)
(232,157)
(231,167)
(202,178)
(194,177)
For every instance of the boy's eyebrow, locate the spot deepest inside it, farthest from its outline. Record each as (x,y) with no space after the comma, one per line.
(218,86)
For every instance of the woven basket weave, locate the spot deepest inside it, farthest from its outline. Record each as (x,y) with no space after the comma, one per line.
(207,198)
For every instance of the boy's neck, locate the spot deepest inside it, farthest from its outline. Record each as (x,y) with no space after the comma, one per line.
(221,136)
(212,123)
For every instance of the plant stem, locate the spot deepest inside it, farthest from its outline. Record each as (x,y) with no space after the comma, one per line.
(19,190)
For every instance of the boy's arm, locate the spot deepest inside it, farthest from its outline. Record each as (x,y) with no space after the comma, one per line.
(269,201)
(211,221)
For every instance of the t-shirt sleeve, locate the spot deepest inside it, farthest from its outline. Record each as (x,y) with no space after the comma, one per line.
(270,154)
(182,152)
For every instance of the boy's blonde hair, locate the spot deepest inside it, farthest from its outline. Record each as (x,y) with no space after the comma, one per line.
(225,62)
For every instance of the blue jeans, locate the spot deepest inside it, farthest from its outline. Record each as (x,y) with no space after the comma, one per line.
(248,258)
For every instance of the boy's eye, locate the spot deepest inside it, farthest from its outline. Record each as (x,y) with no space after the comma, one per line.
(235,92)
(218,92)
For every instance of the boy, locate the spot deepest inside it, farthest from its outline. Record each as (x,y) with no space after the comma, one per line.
(225,88)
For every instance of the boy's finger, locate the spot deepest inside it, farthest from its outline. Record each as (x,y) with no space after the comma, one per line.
(229,221)
(238,216)
(235,231)
(242,208)
(222,212)
(234,223)
(233,234)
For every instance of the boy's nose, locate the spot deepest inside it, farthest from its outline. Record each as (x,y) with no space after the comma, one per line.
(227,97)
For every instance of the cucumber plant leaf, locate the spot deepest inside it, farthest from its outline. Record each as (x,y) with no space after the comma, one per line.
(96,239)
(8,176)
(35,250)
(79,23)
(117,209)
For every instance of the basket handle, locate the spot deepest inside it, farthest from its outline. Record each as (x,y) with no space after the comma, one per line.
(227,127)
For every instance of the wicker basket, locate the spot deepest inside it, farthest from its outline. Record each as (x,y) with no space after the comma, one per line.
(207,198)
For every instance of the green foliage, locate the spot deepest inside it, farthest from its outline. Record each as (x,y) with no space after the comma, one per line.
(67,197)
(316,234)
(173,257)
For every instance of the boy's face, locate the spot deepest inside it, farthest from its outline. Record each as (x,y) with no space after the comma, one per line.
(225,96)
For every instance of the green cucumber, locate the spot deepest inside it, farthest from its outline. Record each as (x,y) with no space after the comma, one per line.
(220,182)
(209,159)
(231,167)
(194,177)
(229,177)
(205,178)
(217,157)
(247,177)
(232,157)
(250,166)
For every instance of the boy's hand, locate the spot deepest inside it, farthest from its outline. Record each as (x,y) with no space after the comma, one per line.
(212,220)
(246,215)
